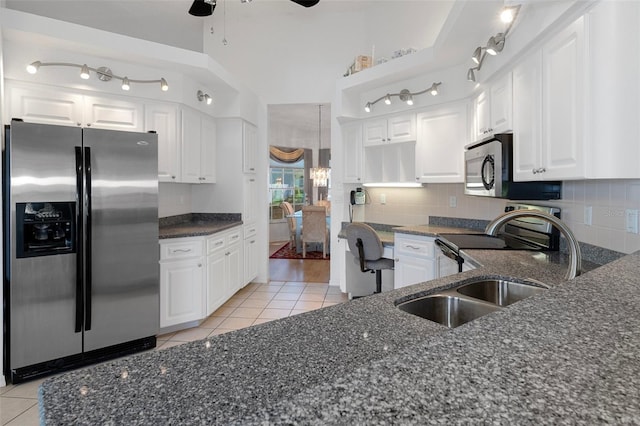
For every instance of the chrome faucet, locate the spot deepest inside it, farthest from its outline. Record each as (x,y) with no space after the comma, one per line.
(575,256)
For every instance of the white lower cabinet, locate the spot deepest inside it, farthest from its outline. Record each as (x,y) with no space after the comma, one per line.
(181,281)
(250,254)
(198,275)
(415,260)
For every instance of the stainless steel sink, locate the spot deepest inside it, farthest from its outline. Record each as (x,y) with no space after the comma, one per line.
(469,300)
(448,310)
(499,292)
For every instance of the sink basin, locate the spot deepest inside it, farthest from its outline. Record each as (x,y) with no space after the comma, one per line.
(499,292)
(448,310)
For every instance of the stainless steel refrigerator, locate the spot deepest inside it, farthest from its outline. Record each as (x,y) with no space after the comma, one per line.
(80,246)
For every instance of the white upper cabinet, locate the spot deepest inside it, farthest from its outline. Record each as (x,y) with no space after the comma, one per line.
(46,106)
(249,147)
(613,125)
(482,111)
(527,116)
(400,128)
(198,147)
(352,152)
(111,113)
(493,108)
(502,104)
(442,136)
(563,107)
(38,104)
(162,119)
(549,109)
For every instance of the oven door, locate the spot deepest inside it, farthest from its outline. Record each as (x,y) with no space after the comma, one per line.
(483,165)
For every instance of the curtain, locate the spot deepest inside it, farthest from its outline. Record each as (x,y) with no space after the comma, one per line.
(286,155)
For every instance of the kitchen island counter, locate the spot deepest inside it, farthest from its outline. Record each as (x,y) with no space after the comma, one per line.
(566,355)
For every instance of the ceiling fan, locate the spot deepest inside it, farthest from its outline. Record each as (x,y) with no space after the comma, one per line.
(206,7)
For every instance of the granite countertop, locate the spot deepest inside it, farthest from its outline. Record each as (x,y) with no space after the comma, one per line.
(196,224)
(567,355)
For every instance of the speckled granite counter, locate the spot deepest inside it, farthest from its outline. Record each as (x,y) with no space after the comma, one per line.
(568,355)
(197,224)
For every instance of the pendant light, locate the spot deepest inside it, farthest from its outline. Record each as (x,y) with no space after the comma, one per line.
(320,175)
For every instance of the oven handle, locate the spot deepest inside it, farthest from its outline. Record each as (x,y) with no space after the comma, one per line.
(450,253)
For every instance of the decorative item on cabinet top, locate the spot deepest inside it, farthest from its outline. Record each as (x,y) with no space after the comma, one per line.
(495,44)
(404,95)
(103,73)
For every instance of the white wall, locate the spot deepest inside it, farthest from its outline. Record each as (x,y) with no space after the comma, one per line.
(608,198)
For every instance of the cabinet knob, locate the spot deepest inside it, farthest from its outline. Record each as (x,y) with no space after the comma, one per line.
(88,124)
(78,124)
(396,259)
(199,265)
(173,177)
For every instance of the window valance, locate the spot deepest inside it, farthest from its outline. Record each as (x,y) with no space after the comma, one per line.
(286,155)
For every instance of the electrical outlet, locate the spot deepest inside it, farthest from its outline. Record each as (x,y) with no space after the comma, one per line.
(453,201)
(631,221)
(383,198)
(588,215)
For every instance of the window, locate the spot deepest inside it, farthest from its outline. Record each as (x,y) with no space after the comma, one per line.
(285,184)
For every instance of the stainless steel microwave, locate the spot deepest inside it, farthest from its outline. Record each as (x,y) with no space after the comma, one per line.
(488,172)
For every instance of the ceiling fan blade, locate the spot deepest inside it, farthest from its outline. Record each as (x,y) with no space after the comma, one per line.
(306,3)
(200,8)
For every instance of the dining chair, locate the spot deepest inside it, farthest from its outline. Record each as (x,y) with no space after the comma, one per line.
(314,228)
(288,211)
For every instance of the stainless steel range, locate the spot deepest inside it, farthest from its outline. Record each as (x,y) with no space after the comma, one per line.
(518,234)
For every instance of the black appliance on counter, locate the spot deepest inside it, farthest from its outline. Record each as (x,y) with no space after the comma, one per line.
(526,233)
(488,172)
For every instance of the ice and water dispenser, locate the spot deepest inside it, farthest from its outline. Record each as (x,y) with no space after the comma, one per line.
(45,228)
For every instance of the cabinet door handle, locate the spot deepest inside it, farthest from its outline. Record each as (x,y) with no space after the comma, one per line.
(397,259)
(219,243)
(227,253)
(180,250)
(252,241)
(412,247)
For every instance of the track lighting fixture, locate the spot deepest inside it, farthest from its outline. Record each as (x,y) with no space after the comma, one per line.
(495,43)
(404,95)
(204,97)
(103,73)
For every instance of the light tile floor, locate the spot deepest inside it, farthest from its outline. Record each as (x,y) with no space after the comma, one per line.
(254,304)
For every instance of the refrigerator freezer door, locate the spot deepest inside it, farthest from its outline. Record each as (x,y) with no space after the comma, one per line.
(124,269)
(42,290)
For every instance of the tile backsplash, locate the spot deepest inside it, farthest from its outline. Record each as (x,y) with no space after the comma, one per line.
(608,199)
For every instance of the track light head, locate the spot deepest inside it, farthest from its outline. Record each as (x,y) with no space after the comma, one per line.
(507,15)
(477,55)
(33,67)
(471,76)
(434,89)
(208,99)
(387,100)
(84,72)
(125,84)
(202,7)
(495,44)
(406,96)
(367,107)
(164,85)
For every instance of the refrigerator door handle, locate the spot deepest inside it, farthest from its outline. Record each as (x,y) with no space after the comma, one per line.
(79,239)
(87,250)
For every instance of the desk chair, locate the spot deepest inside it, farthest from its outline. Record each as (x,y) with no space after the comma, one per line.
(287,209)
(365,245)
(314,228)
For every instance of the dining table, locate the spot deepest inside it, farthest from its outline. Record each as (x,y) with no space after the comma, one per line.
(298,217)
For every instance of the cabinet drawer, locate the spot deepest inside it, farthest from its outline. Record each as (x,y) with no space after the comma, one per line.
(215,243)
(422,247)
(180,249)
(250,231)
(234,237)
